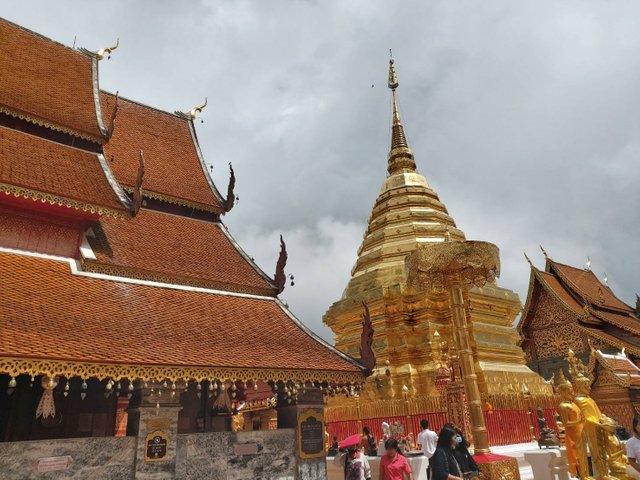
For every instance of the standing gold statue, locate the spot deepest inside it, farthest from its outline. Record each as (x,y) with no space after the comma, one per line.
(607,455)
(573,429)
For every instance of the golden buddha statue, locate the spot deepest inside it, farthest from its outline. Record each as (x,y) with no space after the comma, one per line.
(572,421)
(605,448)
(614,452)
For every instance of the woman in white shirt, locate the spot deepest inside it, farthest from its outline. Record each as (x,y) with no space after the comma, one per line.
(354,463)
(633,450)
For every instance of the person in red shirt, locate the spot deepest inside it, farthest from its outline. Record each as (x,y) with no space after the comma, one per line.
(393,465)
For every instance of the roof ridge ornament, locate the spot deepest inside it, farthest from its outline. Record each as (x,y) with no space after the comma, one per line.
(100,54)
(136,204)
(231,197)
(280,278)
(193,113)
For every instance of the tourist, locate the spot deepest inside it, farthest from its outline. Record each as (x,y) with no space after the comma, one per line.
(444,465)
(633,450)
(465,460)
(393,465)
(354,463)
(427,440)
(369,443)
(333,451)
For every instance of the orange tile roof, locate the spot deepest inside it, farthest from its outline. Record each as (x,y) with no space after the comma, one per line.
(31,163)
(624,321)
(48,313)
(587,285)
(46,82)
(184,249)
(610,339)
(623,369)
(172,164)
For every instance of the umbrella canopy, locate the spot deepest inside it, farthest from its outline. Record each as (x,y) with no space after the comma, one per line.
(351,441)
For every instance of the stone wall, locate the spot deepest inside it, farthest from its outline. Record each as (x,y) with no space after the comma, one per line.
(260,455)
(96,458)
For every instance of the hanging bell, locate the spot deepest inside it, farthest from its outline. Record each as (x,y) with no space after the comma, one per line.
(131,386)
(83,395)
(84,385)
(66,389)
(12,382)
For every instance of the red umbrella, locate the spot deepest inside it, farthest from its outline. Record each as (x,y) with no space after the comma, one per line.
(351,441)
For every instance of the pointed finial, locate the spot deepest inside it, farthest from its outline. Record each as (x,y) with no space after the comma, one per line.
(544,252)
(100,54)
(393,77)
(606,279)
(588,266)
(107,51)
(194,111)
(528,259)
(400,155)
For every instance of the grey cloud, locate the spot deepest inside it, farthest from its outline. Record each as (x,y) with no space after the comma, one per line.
(522,115)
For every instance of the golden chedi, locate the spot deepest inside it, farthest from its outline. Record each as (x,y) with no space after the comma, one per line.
(407,214)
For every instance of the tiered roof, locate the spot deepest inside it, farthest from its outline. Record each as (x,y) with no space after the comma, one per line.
(622,370)
(598,312)
(42,171)
(175,171)
(185,251)
(35,88)
(79,318)
(161,292)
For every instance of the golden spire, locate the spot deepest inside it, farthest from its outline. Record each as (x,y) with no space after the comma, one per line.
(400,155)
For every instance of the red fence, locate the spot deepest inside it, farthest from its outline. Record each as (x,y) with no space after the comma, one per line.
(504,426)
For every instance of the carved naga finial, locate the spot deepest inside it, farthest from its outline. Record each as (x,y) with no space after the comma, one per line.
(528,259)
(367,355)
(100,54)
(280,277)
(136,204)
(107,51)
(231,197)
(112,121)
(194,111)
(544,252)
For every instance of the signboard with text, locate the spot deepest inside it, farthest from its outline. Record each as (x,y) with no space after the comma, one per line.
(311,434)
(155,446)
(52,464)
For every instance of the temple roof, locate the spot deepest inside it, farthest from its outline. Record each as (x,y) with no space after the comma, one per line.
(48,172)
(623,370)
(184,250)
(174,168)
(55,313)
(598,311)
(586,284)
(48,84)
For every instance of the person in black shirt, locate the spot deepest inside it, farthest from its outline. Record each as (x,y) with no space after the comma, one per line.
(444,465)
(465,460)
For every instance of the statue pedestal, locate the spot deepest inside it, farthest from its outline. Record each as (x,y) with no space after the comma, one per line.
(498,467)
(549,464)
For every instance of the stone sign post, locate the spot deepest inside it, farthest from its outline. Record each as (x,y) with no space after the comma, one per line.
(157,433)
(307,417)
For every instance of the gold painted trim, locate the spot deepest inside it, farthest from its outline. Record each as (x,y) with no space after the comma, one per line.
(52,126)
(94,266)
(33,366)
(61,201)
(616,342)
(177,201)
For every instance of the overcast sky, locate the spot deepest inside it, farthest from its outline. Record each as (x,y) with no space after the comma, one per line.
(523,116)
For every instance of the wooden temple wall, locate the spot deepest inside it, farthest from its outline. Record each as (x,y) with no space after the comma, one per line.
(510,419)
